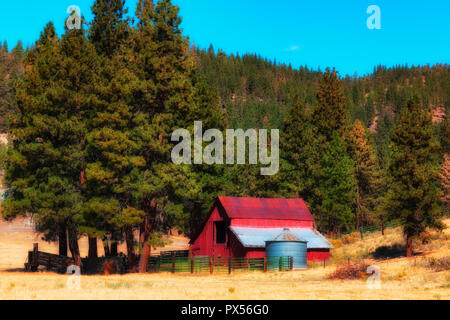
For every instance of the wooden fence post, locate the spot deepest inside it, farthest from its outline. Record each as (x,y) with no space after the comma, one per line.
(158,264)
(192,264)
(292,263)
(229,265)
(173,262)
(280,264)
(324,261)
(211,265)
(35,262)
(265,264)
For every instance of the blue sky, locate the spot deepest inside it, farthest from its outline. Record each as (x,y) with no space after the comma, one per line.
(313,33)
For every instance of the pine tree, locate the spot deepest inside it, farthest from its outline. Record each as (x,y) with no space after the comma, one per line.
(414,193)
(445,177)
(115,163)
(361,151)
(329,115)
(4,91)
(46,163)
(165,69)
(109,28)
(298,151)
(335,195)
(209,178)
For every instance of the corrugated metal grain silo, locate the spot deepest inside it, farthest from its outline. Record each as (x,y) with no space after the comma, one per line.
(286,245)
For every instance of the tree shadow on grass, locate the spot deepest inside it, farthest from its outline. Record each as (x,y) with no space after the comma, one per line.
(397,250)
(14,270)
(388,252)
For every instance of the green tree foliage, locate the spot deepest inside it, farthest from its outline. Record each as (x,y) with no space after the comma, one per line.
(46,158)
(335,195)
(11,69)
(169,101)
(413,195)
(109,28)
(298,152)
(115,164)
(329,115)
(361,151)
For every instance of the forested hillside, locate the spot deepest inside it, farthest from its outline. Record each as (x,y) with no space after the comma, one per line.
(258,93)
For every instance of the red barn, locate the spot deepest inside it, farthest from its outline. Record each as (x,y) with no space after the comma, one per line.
(239,227)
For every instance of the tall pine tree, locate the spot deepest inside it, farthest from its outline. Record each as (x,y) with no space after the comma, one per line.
(361,151)
(335,193)
(414,195)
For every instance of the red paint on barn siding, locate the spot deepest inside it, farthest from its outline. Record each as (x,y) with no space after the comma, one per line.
(205,244)
(318,254)
(256,253)
(251,212)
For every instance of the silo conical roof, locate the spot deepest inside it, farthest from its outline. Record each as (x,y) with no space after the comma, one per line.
(286,235)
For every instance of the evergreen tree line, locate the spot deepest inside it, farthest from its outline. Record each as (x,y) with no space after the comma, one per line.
(11,68)
(93,111)
(90,142)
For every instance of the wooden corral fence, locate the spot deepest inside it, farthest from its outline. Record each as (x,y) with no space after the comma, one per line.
(170,261)
(177,253)
(38,258)
(212,265)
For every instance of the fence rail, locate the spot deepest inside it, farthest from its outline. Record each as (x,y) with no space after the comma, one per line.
(174,262)
(200,264)
(38,258)
(372,228)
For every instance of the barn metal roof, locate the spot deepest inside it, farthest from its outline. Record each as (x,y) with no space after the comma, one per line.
(257,237)
(263,208)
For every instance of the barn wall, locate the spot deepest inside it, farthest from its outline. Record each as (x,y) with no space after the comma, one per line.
(237,250)
(205,244)
(318,254)
(311,255)
(256,252)
(271,223)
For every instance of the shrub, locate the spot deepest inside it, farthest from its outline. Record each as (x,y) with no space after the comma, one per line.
(350,238)
(336,243)
(350,271)
(438,264)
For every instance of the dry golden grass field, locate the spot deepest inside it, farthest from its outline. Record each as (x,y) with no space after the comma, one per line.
(401,278)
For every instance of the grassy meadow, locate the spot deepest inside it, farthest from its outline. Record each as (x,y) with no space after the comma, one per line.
(401,278)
